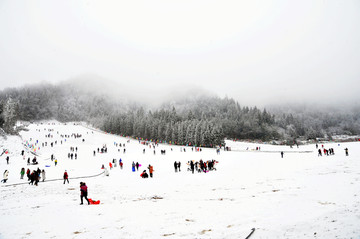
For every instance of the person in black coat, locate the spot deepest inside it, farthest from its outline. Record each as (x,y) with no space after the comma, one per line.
(192,166)
(84,192)
(175,166)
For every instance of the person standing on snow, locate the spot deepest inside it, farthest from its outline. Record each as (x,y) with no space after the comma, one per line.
(28,173)
(151,170)
(175,166)
(22,173)
(66,177)
(106,172)
(121,164)
(32,178)
(319,153)
(5,176)
(133,166)
(84,193)
(43,175)
(36,177)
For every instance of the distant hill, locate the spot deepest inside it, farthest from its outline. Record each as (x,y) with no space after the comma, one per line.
(191,117)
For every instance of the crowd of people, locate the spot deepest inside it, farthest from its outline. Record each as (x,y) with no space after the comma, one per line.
(202,166)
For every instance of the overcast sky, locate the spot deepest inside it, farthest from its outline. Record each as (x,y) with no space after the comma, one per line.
(257,52)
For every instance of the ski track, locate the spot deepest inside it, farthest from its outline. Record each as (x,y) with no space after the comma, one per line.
(299,196)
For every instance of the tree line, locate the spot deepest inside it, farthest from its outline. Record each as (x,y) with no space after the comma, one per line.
(199,121)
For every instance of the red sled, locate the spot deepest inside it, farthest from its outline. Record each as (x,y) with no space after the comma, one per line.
(94,202)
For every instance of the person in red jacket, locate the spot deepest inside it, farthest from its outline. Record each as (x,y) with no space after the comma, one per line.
(66,177)
(83,190)
(151,170)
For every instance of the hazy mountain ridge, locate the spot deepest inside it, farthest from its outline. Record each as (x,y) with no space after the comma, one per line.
(195,116)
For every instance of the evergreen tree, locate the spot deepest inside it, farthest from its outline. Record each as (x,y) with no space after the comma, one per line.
(10,115)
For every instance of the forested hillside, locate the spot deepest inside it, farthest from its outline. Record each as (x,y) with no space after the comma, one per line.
(197,120)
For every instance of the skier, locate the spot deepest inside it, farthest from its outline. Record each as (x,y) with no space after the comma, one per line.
(84,193)
(5,176)
(66,177)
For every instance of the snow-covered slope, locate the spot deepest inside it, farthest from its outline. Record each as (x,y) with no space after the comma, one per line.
(298,196)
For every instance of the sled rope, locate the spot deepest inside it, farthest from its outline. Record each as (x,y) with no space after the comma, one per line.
(51,180)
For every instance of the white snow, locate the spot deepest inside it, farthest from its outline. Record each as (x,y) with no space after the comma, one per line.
(298,196)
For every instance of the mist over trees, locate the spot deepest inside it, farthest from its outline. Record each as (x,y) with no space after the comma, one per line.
(199,120)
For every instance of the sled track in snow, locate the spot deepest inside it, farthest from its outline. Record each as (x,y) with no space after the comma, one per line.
(51,180)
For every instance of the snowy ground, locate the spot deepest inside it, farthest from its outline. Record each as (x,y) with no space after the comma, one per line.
(298,196)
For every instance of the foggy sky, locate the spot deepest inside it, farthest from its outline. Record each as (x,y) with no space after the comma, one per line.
(258,52)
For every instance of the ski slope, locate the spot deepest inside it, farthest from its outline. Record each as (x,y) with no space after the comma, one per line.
(298,196)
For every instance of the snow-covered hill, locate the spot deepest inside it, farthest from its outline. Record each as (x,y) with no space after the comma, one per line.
(298,196)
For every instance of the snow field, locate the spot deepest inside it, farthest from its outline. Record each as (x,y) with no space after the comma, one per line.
(299,196)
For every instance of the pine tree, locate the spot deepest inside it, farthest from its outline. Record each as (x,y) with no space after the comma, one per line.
(168,132)
(181,138)
(10,113)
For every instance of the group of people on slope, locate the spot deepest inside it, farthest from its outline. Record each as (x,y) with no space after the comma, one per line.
(177,166)
(35,176)
(202,166)
(144,174)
